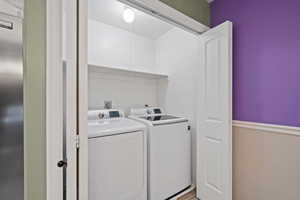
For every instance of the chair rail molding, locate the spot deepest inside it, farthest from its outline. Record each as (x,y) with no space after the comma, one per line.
(289,130)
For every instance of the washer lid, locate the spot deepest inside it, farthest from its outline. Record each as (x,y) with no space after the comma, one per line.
(159,117)
(98,128)
(156,120)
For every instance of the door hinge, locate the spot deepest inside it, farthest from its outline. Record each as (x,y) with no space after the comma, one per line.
(77,141)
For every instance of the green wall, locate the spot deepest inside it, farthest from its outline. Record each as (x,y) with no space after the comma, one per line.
(34,34)
(196,9)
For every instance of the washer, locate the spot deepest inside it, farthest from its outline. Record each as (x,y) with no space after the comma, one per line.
(117,156)
(169,152)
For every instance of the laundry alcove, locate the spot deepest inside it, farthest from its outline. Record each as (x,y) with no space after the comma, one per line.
(163,59)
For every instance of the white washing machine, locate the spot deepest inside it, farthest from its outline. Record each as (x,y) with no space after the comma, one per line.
(169,152)
(117,157)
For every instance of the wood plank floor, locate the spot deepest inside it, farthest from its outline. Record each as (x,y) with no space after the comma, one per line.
(189,196)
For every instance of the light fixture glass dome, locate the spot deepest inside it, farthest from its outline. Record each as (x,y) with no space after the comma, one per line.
(128,15)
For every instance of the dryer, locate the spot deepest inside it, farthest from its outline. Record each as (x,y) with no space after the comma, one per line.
(117,156)
(169,152)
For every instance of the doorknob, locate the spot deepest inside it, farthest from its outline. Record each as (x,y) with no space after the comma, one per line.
(62,163)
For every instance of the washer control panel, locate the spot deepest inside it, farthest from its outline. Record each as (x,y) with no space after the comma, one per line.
(147,111)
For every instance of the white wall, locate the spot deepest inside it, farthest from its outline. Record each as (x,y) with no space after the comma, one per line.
(114,47)
(124,91)
(177,56)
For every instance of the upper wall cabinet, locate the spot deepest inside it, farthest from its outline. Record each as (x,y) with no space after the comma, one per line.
(167,9)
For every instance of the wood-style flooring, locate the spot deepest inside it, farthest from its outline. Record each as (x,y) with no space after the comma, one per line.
(189,196)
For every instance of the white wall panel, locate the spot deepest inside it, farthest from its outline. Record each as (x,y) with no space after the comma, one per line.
(125,91)
(177,56)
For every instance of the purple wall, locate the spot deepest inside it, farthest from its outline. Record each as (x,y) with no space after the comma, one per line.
(266,58)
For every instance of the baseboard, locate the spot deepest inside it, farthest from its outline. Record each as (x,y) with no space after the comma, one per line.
(289,130)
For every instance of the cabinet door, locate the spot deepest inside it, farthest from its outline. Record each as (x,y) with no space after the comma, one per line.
(214,140)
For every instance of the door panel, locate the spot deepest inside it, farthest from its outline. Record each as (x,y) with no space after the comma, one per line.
(214,150)
(212,72)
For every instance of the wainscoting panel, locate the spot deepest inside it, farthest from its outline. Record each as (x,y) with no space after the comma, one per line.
(266,164)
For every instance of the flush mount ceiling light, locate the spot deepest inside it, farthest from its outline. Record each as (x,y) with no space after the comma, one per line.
(128,15)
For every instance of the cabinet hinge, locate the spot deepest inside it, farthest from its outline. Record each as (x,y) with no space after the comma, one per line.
(77,141)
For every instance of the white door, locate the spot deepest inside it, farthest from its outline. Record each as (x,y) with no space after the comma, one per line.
(214,122)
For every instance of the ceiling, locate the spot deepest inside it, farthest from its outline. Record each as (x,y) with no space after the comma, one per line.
(110,12)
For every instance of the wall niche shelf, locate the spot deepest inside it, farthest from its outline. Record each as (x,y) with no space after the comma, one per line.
(126,72)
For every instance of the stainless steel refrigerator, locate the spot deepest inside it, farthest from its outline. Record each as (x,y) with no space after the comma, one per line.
(11,109)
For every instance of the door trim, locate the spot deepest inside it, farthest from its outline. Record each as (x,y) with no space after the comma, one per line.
(82,98)
(54,103)
(70,62)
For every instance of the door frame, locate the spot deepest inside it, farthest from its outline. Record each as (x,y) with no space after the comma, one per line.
(82,97)
(76,107)
(163,12)
(54,100)
(82,81)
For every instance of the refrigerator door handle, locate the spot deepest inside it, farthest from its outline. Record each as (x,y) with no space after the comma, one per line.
(6,24)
